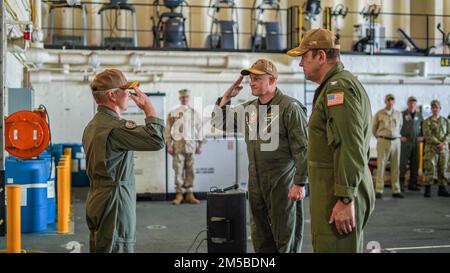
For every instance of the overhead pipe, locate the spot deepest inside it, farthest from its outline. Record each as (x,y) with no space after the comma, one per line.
(47,57)
(221,77)
(38,35)
(47,77)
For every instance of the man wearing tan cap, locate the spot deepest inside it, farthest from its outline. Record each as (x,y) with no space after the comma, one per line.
(436,132)
(386,126)
(411,136)
(274,126)
(109,141)
(184,139)
(342,196)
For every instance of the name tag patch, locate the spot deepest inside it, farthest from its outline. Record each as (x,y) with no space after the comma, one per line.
(335,99)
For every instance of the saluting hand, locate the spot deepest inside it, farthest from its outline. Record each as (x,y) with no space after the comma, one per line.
(343,216)
(143,102)
(232,91)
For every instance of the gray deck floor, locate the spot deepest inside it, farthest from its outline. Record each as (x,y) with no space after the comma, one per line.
(413,224)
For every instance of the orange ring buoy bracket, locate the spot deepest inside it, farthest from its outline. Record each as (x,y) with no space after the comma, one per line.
(26,133)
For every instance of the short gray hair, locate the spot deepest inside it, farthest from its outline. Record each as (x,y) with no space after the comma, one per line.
(101,96)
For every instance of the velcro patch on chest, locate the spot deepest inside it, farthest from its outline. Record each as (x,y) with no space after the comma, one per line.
(335,99)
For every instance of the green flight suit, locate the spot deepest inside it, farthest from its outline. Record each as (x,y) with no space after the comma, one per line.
(411,129)
(436,131)
(111,201)
(276,221)
(338,155)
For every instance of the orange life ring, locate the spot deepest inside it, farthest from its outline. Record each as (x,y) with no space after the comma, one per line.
(26,133)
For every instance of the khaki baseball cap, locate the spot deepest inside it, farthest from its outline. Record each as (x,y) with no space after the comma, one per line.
(261,67)
(183,93)
(436,103)
(389,97)
(412,98)
(318,38)
(111,79)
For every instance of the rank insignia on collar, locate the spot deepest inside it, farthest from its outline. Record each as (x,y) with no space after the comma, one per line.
(129,124)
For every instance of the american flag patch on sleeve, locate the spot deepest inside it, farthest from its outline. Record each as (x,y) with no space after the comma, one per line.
(335,99)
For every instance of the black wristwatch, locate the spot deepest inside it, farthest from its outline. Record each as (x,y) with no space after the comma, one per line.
(346,200)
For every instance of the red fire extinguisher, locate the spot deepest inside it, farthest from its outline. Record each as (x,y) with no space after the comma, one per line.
(27,32)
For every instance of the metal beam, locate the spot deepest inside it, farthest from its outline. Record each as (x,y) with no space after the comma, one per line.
(2,109)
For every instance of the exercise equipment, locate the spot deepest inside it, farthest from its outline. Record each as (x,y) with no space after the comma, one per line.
(67,40)
(267,34)
(223,34)
(170,31)
(118,6)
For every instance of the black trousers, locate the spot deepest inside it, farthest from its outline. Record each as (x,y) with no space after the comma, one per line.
(409,154)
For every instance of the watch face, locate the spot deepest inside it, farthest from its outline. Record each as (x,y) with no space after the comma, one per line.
(346,200)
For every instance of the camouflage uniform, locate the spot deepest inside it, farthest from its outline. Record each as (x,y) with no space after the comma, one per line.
(436,131)
(183,133)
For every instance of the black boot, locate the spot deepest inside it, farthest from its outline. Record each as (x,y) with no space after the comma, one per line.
(443,191)
(398,195)
(413,188)
(402,182)
(427,191)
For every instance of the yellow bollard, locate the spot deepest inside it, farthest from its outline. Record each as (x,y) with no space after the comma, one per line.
(63,201)
(68,156)
(63,163)
(420,158)
(66,162)
(68,152)
(13,235)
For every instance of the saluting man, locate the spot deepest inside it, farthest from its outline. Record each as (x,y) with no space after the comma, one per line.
(109,141)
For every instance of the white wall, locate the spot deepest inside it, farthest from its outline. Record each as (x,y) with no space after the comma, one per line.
(14,72)
(13,76)
(70,107)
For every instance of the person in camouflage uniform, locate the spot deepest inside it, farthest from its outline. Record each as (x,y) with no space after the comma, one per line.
(184,139)
(436,131)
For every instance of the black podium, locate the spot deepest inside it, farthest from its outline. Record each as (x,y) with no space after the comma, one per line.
(227,222)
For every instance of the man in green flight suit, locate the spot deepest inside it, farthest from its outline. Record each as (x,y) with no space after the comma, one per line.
(108,142)
(436,132)
(339,129)
(411,136)
(274,126)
